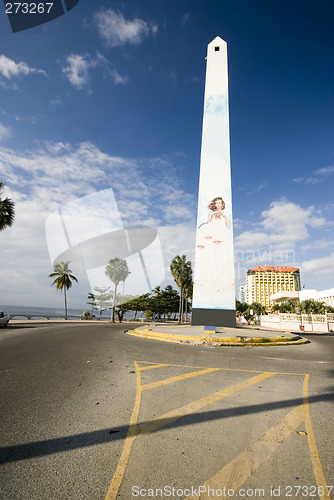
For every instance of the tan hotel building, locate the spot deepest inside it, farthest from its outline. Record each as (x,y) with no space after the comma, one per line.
(262,281)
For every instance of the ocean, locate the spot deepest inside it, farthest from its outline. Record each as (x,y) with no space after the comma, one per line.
(20,312)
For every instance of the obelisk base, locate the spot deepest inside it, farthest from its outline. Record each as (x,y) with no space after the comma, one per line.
(216,317)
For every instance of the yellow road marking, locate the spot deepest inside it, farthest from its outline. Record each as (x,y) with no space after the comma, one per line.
(317,467)
(151,367)
(130,438)
(171,380)
(136,430)
(225,369)
(236,473)
(173,415)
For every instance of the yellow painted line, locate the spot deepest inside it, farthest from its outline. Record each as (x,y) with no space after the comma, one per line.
(177,378)
(228,369)
(151,367)
(236,473)
(197,405)
(136,430)
(317,467)
(130,438)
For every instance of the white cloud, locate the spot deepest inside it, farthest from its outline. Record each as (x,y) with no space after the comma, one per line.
(4,132)
(259,188)
(115,30)
(10,69)
(317,245)
(299,180)
(319,176)
(325,171)
(57,101)
(285,224)
(109,71)
(322,266)
(78,67)
(117,78)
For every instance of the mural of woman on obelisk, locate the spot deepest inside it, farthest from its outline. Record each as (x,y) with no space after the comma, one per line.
(212,231)
(214,259)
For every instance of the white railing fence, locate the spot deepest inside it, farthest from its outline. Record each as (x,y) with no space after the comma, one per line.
(319,323)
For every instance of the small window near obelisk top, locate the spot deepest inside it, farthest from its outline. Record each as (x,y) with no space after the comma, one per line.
(217,49)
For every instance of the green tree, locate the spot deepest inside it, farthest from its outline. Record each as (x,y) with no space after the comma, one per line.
(101,298)
(140,303)
(182,274)
(156,301)
(164,302)
(313,307)
(117,271)
(241,307)
(7,211)
(256,308)
(92,303)
(285,307)
(242,310)
(171,300)
(63,279)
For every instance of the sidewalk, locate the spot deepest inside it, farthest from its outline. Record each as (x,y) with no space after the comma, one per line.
(197,335)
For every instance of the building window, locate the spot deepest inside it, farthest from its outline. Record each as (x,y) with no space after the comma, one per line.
(217,49)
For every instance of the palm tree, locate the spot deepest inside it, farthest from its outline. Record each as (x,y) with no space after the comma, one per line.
(188,294)
(182,274)
(6,210)
(117,271)
(63,279)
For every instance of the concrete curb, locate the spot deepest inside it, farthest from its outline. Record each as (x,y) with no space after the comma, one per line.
(217,341)
(166,337)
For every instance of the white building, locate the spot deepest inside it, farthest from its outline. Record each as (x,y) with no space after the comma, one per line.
(242,293)
(326,296)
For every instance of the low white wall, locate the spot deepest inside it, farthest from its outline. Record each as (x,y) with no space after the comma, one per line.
(310,322)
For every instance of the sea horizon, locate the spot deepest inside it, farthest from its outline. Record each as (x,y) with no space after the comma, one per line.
(40,312)
(48,311)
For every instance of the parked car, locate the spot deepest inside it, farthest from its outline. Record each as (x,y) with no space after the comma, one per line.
(4,318)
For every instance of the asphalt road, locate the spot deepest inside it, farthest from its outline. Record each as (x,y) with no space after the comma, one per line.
(88,412)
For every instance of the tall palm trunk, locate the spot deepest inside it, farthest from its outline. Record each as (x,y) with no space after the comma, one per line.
(65,302)
(181,304)
(114,305)
(185,308)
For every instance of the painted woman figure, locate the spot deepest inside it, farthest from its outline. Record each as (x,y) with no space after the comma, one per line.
(213,230)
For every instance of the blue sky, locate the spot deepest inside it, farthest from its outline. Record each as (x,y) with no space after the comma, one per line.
(110,96)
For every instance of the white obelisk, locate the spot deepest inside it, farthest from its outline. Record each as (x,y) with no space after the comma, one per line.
(214,280)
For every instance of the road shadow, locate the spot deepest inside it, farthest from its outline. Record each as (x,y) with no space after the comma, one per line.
(66,443)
